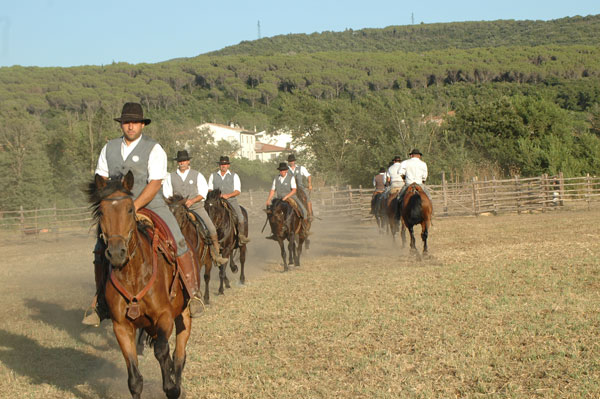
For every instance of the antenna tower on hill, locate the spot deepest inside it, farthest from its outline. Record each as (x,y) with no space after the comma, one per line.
(258,28)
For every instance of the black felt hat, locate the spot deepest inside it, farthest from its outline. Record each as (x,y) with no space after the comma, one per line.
(132,112)
(282,166)
(224,160)
(415,151)
(182,156)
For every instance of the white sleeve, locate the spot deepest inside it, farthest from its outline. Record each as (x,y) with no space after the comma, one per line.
(167,187)
(424,171)
(237,185)
(157,163)
(273,185)
(202,185)
(304,171)
(293,184)
(102,165)
(210,182)
(402,170)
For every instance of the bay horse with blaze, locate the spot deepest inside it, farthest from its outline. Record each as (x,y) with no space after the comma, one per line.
(286,224)
(143,289)
(225,220)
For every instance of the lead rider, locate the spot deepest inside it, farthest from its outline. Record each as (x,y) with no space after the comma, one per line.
(147,160)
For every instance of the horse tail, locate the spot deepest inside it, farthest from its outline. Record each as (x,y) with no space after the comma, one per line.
(415,208)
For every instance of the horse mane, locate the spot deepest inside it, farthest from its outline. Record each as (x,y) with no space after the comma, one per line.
(213,195)
(95,195)
(174,199)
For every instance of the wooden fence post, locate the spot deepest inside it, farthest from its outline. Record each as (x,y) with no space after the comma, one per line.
(518,188)
(495,203)
(22,220)
(445,193)
(475,197)
(588,190)
(545,192)
(561,185)
(55,222)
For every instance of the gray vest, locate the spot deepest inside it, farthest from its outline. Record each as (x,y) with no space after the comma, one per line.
(187,188)
(136,162)
(283,188)
(225,185)
(298,175)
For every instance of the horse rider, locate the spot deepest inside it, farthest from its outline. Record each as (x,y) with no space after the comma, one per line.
(146,159)
(395,180)
(284,187)
(191,184)
(300,173)
(413,170)
(230,186)
(379,181)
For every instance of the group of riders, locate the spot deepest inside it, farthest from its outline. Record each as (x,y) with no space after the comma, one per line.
(147,161)
(392,182)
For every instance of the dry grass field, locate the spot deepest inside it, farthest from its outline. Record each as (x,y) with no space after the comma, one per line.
(505,307)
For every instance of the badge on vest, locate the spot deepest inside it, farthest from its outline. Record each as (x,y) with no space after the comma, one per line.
(191,182)
(135,158)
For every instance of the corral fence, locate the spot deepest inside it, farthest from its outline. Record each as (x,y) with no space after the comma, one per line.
(476,197)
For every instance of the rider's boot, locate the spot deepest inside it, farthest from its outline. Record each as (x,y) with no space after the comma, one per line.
(215,250)
(310,211)
(98,310)
(241,236)
(191,272)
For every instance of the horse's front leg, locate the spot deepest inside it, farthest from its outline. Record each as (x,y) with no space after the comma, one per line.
(242,263)
(207,269)
(183,329)
(163,355)
(232,264)
(292,249)
(299,249)
(283,255)
(403,235)
(221,279)
(125,333)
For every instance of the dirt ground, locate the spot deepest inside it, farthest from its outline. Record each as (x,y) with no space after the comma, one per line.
(45,285)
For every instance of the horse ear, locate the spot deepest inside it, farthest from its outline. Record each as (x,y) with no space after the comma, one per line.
(99,181)
(128,181)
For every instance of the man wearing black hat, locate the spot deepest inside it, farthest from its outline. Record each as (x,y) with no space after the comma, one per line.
(147,160)
(191,184)
(301,174)
(413,170)
(230,186)
(379,185)
(284,187)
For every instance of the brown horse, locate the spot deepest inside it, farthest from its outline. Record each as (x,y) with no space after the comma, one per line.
(416,209)
(390,205)
(225,220)
(287,225)
(192,229)
(142,290)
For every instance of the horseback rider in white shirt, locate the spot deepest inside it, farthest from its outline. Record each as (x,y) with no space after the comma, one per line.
(413,170)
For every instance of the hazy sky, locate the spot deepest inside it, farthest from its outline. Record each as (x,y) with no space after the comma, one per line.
(97,32)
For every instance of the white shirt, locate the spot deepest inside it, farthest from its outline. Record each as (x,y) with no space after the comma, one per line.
(281,179)
(414,170)
(201,184)
(394,172)
(157,161)
(303,170)
(237,184)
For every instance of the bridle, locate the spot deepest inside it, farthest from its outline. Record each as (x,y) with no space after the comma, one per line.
(127,241)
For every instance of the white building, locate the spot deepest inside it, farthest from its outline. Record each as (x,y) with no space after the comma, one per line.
(267,152)
(243,138)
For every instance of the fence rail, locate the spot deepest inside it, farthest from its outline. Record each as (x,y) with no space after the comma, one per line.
(476,197)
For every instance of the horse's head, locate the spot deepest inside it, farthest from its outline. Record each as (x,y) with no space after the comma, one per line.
(213,196)
(214,204)
(177,206)
(277,214)
(113,210)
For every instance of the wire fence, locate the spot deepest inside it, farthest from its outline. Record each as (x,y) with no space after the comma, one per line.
(477,197)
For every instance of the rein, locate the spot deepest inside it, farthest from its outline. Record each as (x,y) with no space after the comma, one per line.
(133,301)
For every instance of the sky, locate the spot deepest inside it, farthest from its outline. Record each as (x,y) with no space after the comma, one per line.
(98,32)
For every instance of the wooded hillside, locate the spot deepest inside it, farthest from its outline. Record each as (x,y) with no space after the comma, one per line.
(511,106)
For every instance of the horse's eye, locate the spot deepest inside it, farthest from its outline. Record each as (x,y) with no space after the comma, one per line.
(130,210)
